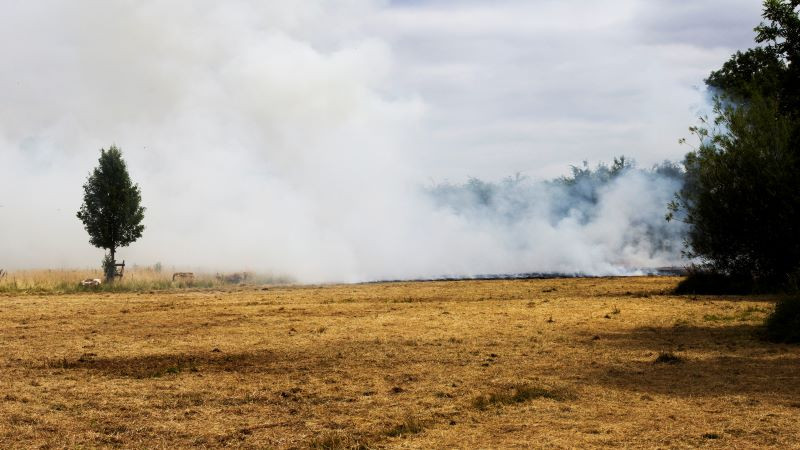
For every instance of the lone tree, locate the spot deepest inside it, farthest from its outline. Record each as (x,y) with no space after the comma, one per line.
(111,211)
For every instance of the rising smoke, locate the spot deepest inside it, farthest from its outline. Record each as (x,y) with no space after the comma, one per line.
(607,220)
(264,138)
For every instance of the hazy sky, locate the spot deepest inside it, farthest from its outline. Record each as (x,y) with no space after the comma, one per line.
(533,85)
(288,135)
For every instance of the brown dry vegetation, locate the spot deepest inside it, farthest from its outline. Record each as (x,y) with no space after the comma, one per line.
(135,279)
(470,364)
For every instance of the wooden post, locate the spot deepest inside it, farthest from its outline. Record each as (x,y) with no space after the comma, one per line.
(119,269)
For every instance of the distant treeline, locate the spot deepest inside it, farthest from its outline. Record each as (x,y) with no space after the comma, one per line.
(578,198)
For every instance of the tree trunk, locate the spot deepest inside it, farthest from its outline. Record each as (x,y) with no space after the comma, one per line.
(110,271)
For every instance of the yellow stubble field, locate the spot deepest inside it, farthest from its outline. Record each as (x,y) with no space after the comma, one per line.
(578,362)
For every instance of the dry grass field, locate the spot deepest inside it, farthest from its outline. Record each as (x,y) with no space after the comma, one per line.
(469,364)
(135,279)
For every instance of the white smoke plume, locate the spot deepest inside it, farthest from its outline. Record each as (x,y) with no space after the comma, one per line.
(601,221)
(269,136)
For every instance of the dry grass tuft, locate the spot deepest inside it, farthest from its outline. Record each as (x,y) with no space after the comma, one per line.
(339,440)
(519,393)
(410,425)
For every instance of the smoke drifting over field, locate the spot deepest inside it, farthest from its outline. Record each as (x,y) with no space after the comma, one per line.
(300,137)
(594,222)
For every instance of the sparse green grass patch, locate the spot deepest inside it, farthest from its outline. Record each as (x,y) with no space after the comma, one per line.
(745,315)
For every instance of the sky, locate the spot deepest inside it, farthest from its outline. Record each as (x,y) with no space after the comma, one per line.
(531,86)
(292,136)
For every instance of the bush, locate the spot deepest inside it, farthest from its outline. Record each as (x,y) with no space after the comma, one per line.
(783,325)
(707,282)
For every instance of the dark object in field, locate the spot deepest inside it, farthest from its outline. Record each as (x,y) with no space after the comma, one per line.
(668,358)
(783,325)
(2,273)
(707,282)
(519,393)
(187,277)
(233,278)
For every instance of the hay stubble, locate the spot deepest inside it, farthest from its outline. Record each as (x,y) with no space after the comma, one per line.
(565,362)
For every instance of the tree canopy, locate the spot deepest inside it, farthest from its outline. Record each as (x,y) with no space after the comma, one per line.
(741,196)
(771,69)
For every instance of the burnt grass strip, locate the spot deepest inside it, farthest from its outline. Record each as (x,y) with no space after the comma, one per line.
(154,366)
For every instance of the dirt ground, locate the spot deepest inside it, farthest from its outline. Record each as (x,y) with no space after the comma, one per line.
(467,364)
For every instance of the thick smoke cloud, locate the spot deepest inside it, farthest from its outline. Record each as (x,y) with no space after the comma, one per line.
(292,137)
(596,221)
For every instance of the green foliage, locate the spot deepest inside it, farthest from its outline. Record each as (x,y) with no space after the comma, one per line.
(111,211)
(741,196)
(770,70)
(783,325)
(757,71)
(780,33)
